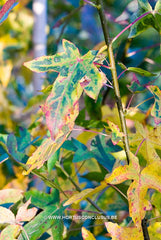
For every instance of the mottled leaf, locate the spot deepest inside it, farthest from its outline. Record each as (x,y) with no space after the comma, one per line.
(145,17)
(10,195)
(76,73)
(25,214)
(7,7)
(87,235)
(143,23)
(156,109)
(116,134)
(42,154)
(123,233)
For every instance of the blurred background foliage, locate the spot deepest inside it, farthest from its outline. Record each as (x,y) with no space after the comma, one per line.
(19,108)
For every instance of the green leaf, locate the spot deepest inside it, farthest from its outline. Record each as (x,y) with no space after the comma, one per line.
(57,229)
(51,162)
(140,71)
(50,217)
(94,176)
(41,199)
(93,107)
(156,109)
(42,222)
(144,4)
(13,148)
(102,150)
(82,153)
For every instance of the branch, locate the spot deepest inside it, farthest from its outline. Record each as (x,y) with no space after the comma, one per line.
(115,79)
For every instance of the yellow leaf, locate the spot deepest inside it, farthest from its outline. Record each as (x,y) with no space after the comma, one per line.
(142,181)
(42,154)
(138,205)
(87,235)
(148,140)
(123,173)
(2,177)
(155,231)
(123,233)
(84,194)
(5,70)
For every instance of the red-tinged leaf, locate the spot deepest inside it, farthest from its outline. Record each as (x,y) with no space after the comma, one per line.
(7,7)
(156,109)
(87,235)
(25,214)
(6,216)
(149,177)
(10,232)
(76,73)
(123,233)
(138,205)
(116,134)
(42,154)
(10,195)
(61,107)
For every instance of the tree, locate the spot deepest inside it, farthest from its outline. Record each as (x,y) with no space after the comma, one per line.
(117,153)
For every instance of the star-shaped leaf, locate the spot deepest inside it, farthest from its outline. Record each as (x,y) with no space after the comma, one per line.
(76,73)
(127,233)
(146,141)
(149,177)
